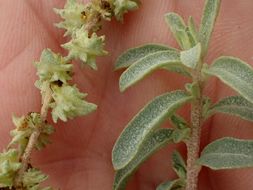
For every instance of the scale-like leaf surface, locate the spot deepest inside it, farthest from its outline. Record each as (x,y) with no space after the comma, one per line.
(147,65)
(234,105)
(227,153)
(140,127)
(152,144)
(191,57)
(235,73)
(178,29)
(207,23)
(134,54)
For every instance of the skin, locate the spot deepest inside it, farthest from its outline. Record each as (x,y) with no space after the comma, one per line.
(80,156)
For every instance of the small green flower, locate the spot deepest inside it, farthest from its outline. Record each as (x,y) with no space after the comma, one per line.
(123,6)
(32,179)
(9,165)
(72,15)
(69,103)
(53,67)
(25,127)
(103,7)
(86,48)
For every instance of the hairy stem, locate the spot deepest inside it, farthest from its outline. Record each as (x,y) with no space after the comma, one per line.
(25,159)
(194,142)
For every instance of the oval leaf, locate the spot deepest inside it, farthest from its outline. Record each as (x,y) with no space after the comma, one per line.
(191,57)
(235,73)
(178,29)
(148,119)
(151,145)
(134,54)
(234,105)
(207,22)
(145,66)
(227,153)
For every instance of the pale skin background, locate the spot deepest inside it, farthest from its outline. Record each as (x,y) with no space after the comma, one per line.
(80,156)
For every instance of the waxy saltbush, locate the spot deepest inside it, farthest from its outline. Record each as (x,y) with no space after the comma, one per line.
(60,97)
(142,137)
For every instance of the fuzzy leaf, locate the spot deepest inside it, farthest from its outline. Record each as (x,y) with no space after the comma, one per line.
(53,67)
(207,23)
(72,16)
(234,105)
(69,103)
(179,165)
(235,73)
(206,104)
(25,126)
(227,153)
(9,165)
(85,48)
(33,178)
(177,184)
(135,54)
(151,145)
(178,122)
(191,57)
(193,31)
(181,128)
(147,65)
(147,120)
(178,29)
(123,6)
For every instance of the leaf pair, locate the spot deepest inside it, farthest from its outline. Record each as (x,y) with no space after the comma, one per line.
(189,36)
(140,139)
(147,120)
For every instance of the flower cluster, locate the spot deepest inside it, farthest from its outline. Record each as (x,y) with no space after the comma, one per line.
(82,21)
(54,72)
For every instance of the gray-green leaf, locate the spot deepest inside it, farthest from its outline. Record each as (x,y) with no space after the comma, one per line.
(134,54)
(151,145)
(181,128)
(207,23)
(148,119)
(177,184)
(179,122)
(235,73)
(178,29)
(193,31)
(145,66)
(227,153)
(234,105)
(191,57)
(179,165)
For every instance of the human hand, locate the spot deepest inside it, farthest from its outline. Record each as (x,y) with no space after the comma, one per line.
(80,155)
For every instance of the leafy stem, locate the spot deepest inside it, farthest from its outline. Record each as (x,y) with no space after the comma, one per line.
(25,158)
(65,101)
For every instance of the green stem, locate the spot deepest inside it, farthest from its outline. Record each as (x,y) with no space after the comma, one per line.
(193,144)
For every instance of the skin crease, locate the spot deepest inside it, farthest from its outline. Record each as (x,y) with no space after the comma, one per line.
(80,156)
